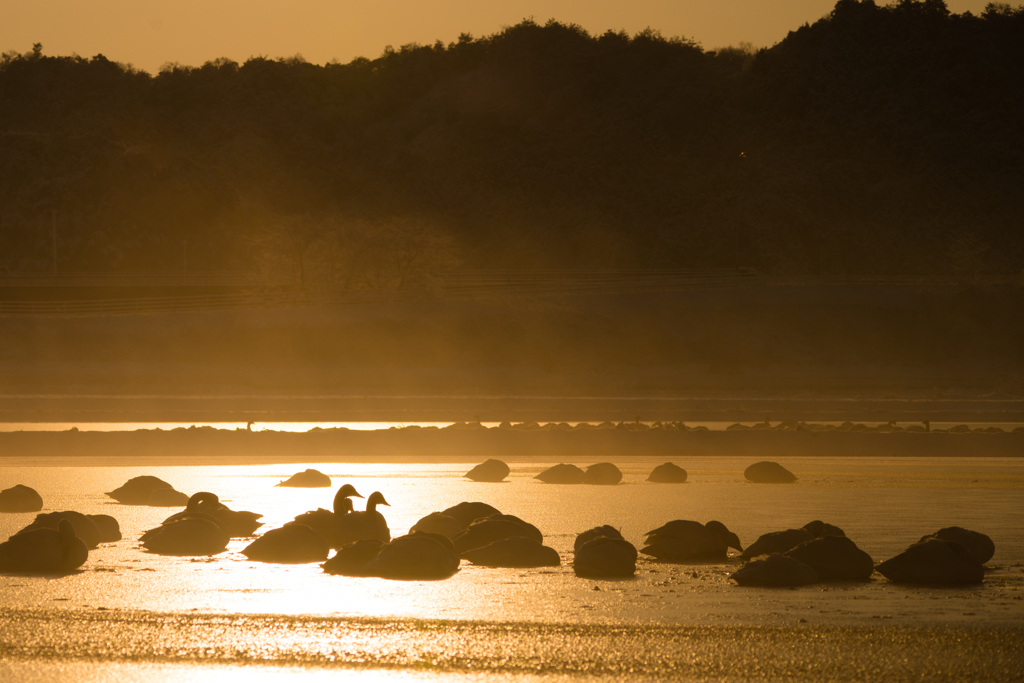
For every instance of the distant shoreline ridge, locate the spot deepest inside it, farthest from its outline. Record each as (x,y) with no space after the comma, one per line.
(433,444)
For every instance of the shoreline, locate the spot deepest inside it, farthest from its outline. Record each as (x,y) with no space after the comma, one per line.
(331,445)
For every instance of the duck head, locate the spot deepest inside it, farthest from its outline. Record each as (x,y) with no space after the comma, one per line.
(376,498)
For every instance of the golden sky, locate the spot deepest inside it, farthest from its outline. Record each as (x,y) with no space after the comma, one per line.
(150,33)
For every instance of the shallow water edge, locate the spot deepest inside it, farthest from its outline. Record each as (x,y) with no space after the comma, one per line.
(843,653)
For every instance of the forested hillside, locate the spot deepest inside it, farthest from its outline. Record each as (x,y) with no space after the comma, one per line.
(878,140)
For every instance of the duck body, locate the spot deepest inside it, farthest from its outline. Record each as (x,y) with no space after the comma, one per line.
(290,544)
(468,512)
(85,528)
(776,542)
(325,522)
(684,540)
(486,531)
(491,471)
(237,523)
(669,473)
(309,479)
(20,498)
(834,558)
(775,571)
(417,556)
(192,535)
(365,524)
(44,550)
(605,557)
(933,561)
(515,551)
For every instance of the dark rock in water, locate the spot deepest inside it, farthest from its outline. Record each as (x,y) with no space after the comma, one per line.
(417,556)
(486,531)
(683,540)
(515,551)
(136,491)
(775,571)
(309,479)
(438,523)
(668,473)
(351,559)
(605,556)
(597,532)
(777,542)
(44,550)
(562,474)
(290,544)
(980,545)
(490,471)
(819,529)
(466,513)
(835,558)
(84,527)
(933,561)
(110,530)
(20,498)
(603,474)
(766,472)
(166,498)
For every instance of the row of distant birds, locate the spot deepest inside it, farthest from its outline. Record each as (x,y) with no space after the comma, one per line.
(477,532)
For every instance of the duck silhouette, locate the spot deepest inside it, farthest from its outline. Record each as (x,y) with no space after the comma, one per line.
(44,550)
(325,522)
(237,523)
(366,524)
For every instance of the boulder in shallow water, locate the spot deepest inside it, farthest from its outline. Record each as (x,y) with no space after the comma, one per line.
(980,545)
(775,571)
(669,473)
(20,498)
(933,562)
(308,479)
(767,472)
(562,474)
(602,474)
(491,471)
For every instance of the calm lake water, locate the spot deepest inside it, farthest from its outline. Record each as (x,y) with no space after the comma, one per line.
(882,505)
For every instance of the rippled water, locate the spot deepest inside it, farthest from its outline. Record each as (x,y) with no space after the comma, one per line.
(882,505)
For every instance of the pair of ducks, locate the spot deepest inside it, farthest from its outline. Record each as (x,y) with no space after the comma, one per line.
(310,536)
(206,525)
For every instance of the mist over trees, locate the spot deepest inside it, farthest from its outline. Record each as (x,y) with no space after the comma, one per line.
(881,140)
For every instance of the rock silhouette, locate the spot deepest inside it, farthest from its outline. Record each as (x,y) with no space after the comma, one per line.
(767,472)
(307,479)
(603,474)
(669,473)
(933,562)
(491,471)
(775,570)
(562,474)
(20,498)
